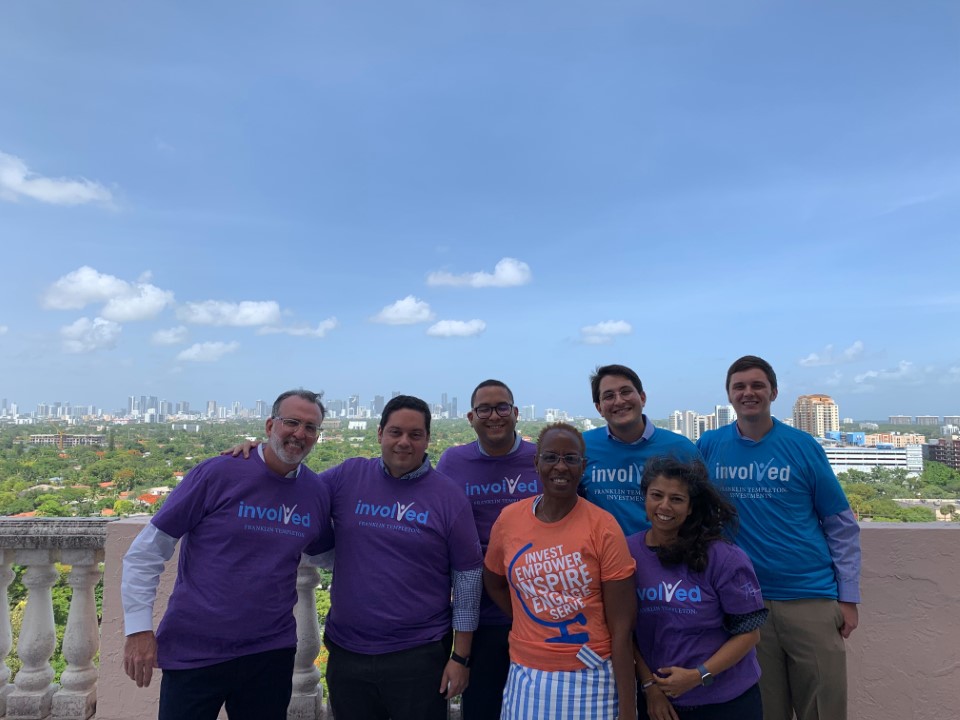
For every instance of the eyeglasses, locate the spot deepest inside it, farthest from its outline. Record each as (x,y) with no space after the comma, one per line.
(611,395)
(552,458)
(292,424)
(484,411)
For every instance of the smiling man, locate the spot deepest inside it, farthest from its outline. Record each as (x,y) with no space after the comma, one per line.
(496,470)
(228,636)
(797,527)
(617,453)
(405,539)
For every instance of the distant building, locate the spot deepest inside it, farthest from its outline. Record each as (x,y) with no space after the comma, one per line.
(951,419)
(928,420)
(725,415)
(897,440)
(68,440)
(900,420)
(944,450)
(909,458)
(528,413)
(816,414)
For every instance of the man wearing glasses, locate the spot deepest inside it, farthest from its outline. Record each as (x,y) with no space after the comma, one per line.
(229,635)
(617,453)
(496,470)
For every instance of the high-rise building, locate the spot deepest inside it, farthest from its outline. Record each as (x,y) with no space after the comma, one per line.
(183,407)
(928,419)
(945,450)
(353,406)
(816,414)
(675,422)
(237,407)
(262,409)
(725,415)
(453,408)
(528,413)
(900,420)
(951,419)
(378,403)
(211,408)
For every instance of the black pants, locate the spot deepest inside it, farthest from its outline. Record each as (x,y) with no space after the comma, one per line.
(747,706)
(489,665)
(253,687)
(403,685)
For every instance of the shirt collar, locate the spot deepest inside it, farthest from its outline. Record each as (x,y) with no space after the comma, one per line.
(648,430)
(516,444)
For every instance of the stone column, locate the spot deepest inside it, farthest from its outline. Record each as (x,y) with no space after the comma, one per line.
(6,632)
(77,697)
(306,702)
(34,690)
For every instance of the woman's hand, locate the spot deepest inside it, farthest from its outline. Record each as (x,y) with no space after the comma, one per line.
(658,705)
(245,447)
(675,681)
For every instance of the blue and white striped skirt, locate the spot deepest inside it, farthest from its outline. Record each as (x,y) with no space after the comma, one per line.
(588,694)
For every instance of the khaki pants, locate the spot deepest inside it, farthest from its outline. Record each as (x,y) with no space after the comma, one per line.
(803,661)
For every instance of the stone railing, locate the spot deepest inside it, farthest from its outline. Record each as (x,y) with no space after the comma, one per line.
(902,660)
(38,544)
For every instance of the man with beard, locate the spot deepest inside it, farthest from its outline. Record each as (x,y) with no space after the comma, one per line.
(229,635)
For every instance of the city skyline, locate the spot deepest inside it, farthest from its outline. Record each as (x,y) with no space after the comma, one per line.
(217,201)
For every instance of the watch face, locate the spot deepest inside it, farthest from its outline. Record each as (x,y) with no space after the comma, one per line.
(706,679)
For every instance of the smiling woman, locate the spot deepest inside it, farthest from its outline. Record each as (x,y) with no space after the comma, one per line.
(560,567)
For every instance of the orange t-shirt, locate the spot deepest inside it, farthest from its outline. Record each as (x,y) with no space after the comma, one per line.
(555,571)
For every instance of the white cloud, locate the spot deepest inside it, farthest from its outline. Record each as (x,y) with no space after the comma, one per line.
(124,301)
(457,328)
(242,314)
(408,311)
(86,335)
(141,303)
(319,331)
(208,351)
(509,272)
(851,354)
(172,336)
(904,369)
(603,332)
(82,287)
(17,181)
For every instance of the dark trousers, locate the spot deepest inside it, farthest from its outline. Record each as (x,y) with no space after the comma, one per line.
(489,665)
(253,687)
(403,685)
(747,706)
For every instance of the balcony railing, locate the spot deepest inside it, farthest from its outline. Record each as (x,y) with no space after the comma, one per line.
(903,661)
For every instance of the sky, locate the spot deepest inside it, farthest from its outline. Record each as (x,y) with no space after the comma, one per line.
(225,200)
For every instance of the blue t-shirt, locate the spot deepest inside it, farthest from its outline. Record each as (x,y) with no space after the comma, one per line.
(611,479)
(782,487)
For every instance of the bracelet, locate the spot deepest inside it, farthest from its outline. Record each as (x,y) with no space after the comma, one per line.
(644,686)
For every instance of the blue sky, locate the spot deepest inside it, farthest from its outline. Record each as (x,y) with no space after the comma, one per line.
(223,200)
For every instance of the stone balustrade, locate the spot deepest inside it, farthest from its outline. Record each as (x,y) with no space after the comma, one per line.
(903,661)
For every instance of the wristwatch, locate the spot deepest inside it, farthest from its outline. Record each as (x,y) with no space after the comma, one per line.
(465,661)
(706,677)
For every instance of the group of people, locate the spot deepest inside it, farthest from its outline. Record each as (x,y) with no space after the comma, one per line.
(622,572)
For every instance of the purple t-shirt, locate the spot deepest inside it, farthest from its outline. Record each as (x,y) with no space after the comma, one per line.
(397,542)
(680,615)
(243,529)
(491,483)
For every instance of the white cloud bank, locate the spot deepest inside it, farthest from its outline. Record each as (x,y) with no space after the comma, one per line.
(603,333)
(904,369)
(509,272)
(242,314)
(207,351)
(85,335)
(408,311)
(457,328)
(123,301)
(18,181)
(851,354)
(319,331)
(172,336)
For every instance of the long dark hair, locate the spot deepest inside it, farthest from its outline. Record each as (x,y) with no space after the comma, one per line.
(711,518)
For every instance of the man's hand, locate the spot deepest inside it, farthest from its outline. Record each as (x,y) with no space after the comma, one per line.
(140,657)
(851,618)
(455,679)
(245,447)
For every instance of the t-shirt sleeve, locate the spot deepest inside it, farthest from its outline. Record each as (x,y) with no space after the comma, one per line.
(463,542)
(324,542)
(189,501)
(616,562)
(734,581)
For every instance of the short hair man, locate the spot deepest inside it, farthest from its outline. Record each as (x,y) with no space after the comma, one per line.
(797,527)
(229,635)
(404,535)
(496,470)
(617,453)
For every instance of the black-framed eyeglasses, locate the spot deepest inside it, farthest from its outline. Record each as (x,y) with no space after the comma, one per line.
(625,393)
(552,458)
(484,411)
(292,424)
